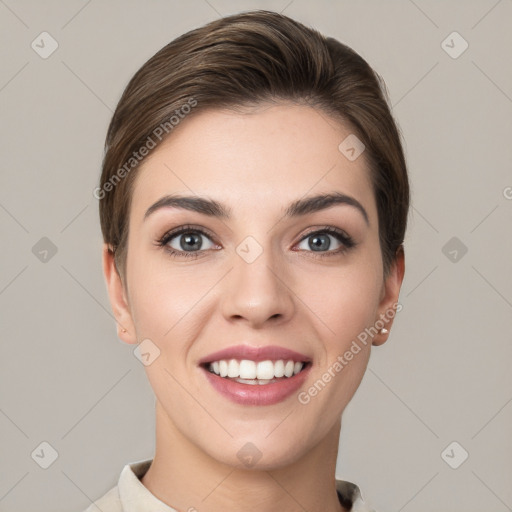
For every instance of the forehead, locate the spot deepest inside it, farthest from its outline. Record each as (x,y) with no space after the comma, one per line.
(261,157)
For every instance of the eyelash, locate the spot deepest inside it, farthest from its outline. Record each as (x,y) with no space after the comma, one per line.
(341,236)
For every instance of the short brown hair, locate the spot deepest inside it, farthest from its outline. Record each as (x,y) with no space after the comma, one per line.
(244,59)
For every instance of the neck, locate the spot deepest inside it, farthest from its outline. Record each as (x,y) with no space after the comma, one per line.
(186,478)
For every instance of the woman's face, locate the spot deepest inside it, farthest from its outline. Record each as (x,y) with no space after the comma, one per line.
(266,273)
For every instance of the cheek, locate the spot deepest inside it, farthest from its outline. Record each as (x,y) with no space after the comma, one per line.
(166,301)
(348,309)
(344,301)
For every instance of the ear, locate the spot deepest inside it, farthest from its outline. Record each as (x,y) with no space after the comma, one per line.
(118,298)
(389,296)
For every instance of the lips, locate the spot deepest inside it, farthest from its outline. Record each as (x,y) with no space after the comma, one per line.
(257,395)
(256,392)
(270,352)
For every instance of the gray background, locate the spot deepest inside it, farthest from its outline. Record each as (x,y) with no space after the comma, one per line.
(444,374)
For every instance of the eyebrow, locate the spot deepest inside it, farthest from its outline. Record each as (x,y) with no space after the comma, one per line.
(297,208)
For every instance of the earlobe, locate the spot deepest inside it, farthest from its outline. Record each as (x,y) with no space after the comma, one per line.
(118,297)
(389,300)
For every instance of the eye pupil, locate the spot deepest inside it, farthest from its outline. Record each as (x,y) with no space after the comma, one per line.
(320,242)
(194,241)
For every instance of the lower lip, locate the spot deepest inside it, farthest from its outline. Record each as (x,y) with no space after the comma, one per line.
(257,394)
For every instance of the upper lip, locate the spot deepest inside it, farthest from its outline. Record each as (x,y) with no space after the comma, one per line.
(269,352)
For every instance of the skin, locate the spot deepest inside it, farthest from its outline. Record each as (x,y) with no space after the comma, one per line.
(256,162)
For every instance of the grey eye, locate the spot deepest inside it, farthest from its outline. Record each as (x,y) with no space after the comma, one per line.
(188,241)
(319,242)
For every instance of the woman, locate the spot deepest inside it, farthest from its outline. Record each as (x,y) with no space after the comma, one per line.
(253,204)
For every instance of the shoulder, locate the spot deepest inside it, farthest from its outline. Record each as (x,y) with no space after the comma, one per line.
(109,502)
(129,490)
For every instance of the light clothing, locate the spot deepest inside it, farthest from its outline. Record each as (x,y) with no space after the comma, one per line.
(130,495)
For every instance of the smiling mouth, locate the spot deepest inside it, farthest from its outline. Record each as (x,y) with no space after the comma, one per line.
(250,372)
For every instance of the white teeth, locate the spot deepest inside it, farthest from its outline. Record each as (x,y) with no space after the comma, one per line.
(265,370)
(223,368)
(247,370)
(279,368)
(233,368)
(288,369)
(255,381)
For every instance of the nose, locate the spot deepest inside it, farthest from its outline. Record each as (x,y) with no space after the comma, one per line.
(257,293)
